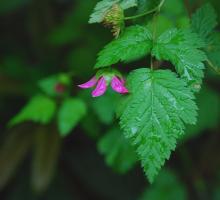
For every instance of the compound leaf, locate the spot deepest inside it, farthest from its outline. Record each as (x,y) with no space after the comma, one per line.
(154,114)
(182,49)
(134,43)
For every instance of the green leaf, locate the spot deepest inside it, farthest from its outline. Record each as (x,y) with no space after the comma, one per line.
(163,23)
(204,21)
(40,109)
(208,102)
(181,48)
(118,152)
(154,113)
(134,43)
(104,107)
(146,5)
(125,4)
(166,187)
(48,85)
(213,51)
(103,6)
(71,112)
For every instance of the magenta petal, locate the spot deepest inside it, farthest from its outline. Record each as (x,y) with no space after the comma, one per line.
(89,84)
(118,85)
(100,88)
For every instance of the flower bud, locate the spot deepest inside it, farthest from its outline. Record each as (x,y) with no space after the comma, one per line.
(114,18)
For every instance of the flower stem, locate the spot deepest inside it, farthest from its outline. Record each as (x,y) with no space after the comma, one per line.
(154,34)
(156,9)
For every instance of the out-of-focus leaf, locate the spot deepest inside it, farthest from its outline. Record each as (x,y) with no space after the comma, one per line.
(105,106)
(91,125)
(146,5)
(48,85)
(13,151)
(208,102)
(71,112)
(163,23)
(204,21)
(46,154)
(7,6)
(216,193)
(213,51)
(15,66)
(174,8)
(118,152)
(166,187)
(39,109)
(73,24)
(143,7)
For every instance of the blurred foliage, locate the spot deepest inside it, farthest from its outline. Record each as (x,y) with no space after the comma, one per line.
(166,187)
(47,48)
(119,154)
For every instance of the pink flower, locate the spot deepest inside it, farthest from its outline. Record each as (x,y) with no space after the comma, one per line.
(117,84)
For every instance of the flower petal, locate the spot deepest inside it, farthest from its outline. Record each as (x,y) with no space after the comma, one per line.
(100,88)
(118,85)
(89,84)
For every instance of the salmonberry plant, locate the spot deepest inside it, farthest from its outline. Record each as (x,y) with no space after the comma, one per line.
(160,99)
(156,101)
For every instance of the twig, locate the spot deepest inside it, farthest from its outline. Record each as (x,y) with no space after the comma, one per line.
(156,9)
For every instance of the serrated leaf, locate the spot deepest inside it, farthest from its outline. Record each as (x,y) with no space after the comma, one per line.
(39,109)
(154,114)
(125,4)
(204,20)
(103,6)
(134,43)
(118,152)
(166,187)
(71,112)
(182,49)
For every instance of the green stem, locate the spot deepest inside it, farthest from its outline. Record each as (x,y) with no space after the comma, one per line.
(154,33)
(146,13)
(215,68)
